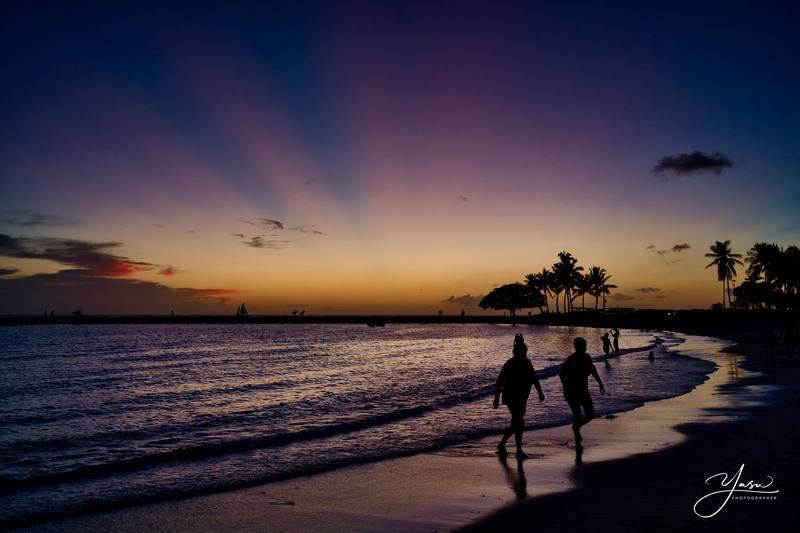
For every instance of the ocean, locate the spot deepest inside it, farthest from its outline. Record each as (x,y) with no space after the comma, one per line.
(94,416)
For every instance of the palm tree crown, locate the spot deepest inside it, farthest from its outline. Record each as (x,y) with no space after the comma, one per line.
(725,261)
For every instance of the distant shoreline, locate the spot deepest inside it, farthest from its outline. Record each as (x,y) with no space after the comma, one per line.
(688,321)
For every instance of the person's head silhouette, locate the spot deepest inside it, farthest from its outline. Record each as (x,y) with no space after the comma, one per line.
(580,345)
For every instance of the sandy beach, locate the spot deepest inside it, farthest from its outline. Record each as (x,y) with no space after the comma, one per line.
(646,466)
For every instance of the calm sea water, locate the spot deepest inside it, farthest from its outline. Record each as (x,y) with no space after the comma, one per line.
(92,416)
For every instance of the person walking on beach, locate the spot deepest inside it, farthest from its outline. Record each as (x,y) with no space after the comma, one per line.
(514,384)
(574,376)
(615,334)
(606,346)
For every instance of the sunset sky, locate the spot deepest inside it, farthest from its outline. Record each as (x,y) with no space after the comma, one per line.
(343,157)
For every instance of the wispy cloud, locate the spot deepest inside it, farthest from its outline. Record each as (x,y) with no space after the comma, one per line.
(307,228)
(693,162)
(466,300)
(8,271)
(678,248)
(648,290)
(621,296)
(264,223)
(29,217)
(168,271)
(272,244)
(463,198)
(650,247)
(94,258)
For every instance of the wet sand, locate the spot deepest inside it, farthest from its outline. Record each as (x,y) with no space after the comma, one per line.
(469,486)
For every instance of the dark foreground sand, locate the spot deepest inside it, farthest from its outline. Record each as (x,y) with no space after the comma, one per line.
(639,472)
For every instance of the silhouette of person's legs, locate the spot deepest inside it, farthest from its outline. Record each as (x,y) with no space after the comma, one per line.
(580,419)
(518,424)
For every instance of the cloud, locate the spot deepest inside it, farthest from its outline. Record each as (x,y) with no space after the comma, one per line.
(94,258)
(307,228)
(463,198)
(621,296)
(648,290)
(650,247)
(168,271)
(67,290)
(264,223)
(29,217)
(661,252)
(680,247)
(682,164)
(8,271)
(239,235)
(272,244)
(465,300)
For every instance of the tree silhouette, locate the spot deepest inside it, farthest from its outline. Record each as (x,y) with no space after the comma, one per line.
(725,261)
(567,273)
(541,282)
(511,298)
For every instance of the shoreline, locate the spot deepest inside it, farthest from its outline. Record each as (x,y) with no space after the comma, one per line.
(467,485)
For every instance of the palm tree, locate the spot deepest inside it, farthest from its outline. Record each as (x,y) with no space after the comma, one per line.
(598,280)
(582,288)
(764,261)
(541,281)
(567,272)
(726,261)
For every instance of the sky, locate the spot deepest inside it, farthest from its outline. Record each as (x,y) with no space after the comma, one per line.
(386,157)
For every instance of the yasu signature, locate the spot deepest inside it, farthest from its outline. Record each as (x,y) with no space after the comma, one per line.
(730,485)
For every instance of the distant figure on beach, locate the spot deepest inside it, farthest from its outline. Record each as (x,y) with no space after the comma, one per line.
(78,312)
(650,356)
(606,346)
(615,334)
(575,381)
(790,338)
(514,384)
(768,339)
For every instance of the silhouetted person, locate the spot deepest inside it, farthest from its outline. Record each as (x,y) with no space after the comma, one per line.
(78,312)
(606,346)
(615,334)
(514,383)
(790,338)
(768,339)
(650,356)
(574,376)
(52,312)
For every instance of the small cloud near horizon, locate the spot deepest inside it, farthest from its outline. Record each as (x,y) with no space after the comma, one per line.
(648,290)
(270,244)
(680,247)
(168,271)
(650,247)
(8,271)
(621,296)
(693,162)
(463,198)
(465,300)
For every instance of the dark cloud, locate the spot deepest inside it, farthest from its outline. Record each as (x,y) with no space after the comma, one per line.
(696,161)
(307,228)
(272,244)
(239,235)
(465,300)
(650,247)
(8,271)
(463,198)
(648,290)
(93,258)
(680,247)
(67,290)
(168,271)
(159,226)
(29,217)
(661,252)
(264,223)
(621,296)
